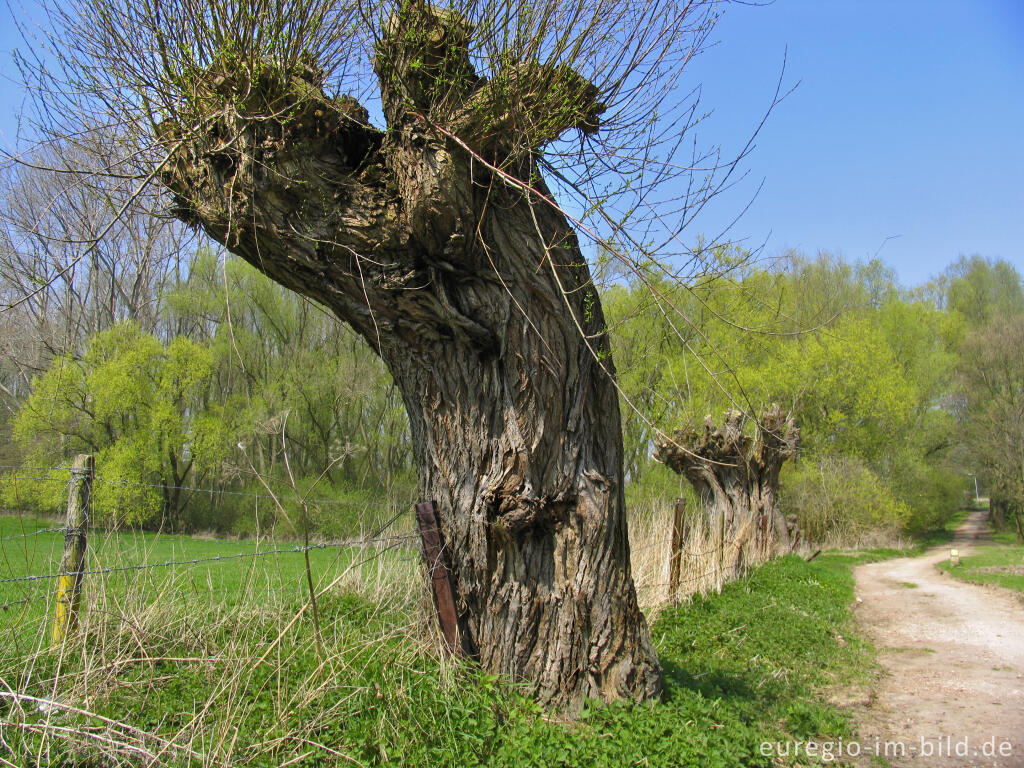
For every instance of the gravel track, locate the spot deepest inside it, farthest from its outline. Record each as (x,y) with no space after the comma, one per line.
(952,690)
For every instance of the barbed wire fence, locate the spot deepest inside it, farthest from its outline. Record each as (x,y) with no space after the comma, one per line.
(213,559)
(144,588)
(62,586)
(681,564)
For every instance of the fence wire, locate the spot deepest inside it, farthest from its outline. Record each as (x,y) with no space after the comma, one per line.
(34,533)
(214,559)
(725,574)
(375,540)
(285,495)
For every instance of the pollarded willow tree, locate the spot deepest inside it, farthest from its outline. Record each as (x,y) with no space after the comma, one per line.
(425,170)
(736,477)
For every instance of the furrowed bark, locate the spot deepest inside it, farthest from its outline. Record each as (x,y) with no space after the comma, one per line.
(736,476)
(477,297)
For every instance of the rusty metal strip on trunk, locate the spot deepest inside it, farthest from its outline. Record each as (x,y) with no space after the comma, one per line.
(435,555)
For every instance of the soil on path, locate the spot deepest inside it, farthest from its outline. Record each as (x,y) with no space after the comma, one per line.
(953,653)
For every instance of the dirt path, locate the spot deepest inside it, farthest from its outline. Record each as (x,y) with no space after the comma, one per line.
(954,654)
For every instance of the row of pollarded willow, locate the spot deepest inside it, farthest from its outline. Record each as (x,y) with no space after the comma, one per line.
(438,240)
(736,477)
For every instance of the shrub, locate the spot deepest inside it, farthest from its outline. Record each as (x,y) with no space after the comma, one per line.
(838,500)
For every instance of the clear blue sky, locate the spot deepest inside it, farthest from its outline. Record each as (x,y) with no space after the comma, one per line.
(908,123)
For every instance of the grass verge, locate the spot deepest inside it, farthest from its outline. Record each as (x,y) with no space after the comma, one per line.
(996,564)
(191,671)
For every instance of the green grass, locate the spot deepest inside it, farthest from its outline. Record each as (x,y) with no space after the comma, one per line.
(1005,537)
(217,669)
(999,565)
(229,582)
(942,535)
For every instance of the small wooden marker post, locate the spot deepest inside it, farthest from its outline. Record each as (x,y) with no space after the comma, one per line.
(675,556)
(69,587)
(440,576)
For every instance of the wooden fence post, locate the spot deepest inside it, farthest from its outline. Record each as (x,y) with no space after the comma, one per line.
(436,557)
(69,587)
(796,538)
(676,553)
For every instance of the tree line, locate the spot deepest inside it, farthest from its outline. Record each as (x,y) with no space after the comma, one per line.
(901,394)
(179,372)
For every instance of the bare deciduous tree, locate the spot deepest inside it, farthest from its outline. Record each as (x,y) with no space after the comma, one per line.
(58,278)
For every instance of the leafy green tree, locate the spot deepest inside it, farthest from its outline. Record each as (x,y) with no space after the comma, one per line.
(981,289)
(867,373)
(991,373)
(847,386)
(282,354)
(144,408)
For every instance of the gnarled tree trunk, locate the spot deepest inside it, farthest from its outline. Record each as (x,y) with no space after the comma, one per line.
(475,294)
(736,477)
